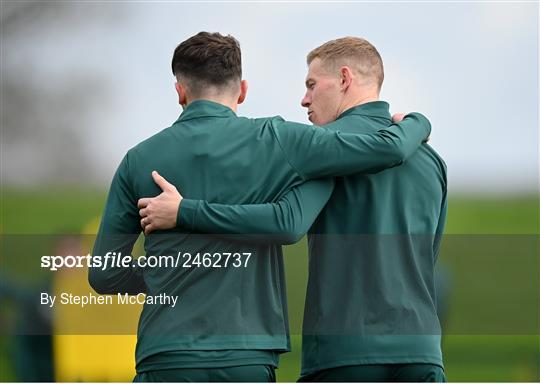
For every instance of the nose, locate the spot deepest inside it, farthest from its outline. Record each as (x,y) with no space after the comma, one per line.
(306,101)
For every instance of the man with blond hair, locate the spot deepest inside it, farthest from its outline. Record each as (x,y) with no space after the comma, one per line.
(370,310)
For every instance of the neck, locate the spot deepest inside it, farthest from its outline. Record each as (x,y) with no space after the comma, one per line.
(357,100)
(224,100)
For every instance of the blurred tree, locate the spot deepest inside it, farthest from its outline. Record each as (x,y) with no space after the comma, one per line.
(45,117)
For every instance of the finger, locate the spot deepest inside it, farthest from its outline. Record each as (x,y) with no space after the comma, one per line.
(145,221)
(142,203)
(160,180)
(143,212)
(149,228)
(397,117)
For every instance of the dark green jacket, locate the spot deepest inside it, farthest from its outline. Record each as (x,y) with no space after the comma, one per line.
(210,153)
(372,251)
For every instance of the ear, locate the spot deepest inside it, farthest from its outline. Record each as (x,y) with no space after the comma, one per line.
(182,99)
(346,77)
(243,91)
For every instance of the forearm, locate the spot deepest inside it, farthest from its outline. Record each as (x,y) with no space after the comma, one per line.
(257,224)
(118,232)
(282,222)
(385,149)
(109,278)
(322,152)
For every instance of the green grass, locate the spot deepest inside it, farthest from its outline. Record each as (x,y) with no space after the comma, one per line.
(49,211)
(496,278)
(491,215)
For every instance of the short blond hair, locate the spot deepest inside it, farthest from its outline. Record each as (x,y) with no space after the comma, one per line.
(356,52)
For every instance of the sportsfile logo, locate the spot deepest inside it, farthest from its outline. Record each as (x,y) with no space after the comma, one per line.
(109,260)
(182,259)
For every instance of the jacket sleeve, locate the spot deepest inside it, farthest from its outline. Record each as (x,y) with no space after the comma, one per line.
(284,222)
(118,232)
(442,220)
(316,152)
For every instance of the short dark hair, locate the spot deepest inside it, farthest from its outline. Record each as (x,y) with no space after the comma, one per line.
(208,60)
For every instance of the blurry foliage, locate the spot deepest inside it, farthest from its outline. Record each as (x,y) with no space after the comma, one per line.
(46,117)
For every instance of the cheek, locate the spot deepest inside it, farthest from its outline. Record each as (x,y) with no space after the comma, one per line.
(320,97)
(325,102)
(327,96)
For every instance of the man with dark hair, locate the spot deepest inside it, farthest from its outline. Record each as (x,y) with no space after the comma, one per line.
(230,322)
(210,65)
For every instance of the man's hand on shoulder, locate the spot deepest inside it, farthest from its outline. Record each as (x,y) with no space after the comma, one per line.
(397,117)
(160,212)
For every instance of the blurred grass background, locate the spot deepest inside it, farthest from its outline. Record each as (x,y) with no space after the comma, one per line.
(53,210)
(501,279)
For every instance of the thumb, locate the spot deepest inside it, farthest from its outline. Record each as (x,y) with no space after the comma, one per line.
(161,182)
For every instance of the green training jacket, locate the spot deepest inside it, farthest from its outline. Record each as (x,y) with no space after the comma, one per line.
(231,313)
